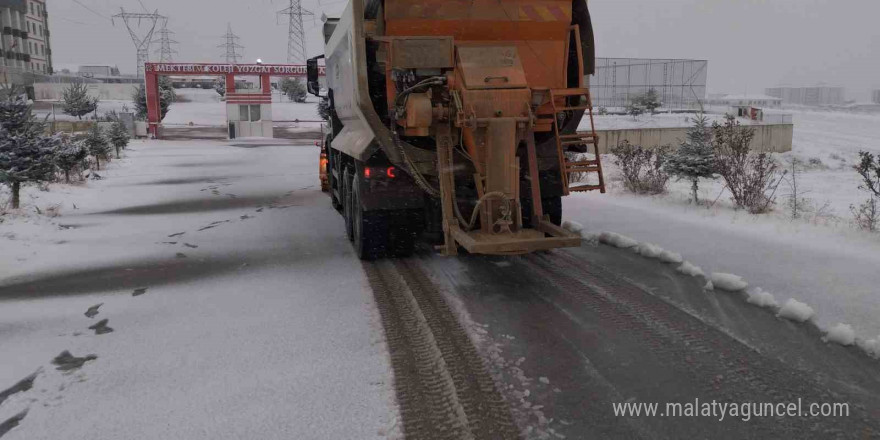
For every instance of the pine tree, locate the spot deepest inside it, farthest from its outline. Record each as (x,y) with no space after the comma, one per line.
(97,144)
(649,101)
(695,158)
(166,97)
(69,155)
(26,154)
(119,136)
(294,89)
(220,86)
(77,101)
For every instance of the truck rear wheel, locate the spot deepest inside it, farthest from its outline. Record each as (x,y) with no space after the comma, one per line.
(369,228)
(552,206)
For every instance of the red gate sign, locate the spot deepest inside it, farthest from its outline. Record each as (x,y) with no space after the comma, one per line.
(220,69)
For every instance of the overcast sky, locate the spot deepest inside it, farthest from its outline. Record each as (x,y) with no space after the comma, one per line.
(750,44)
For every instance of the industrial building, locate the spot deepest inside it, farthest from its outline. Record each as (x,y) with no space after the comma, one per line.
(875,97)
(680,84)
(813,96)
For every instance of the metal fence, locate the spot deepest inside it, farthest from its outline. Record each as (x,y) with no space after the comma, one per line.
(680,84)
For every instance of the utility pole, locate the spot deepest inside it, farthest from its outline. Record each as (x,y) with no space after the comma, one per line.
(232,47)
(165,51)
(296,36)
(141,44)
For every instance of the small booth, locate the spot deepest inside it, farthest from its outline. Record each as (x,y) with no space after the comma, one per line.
(248,108)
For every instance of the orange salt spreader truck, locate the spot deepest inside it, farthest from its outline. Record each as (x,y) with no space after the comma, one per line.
(458,118)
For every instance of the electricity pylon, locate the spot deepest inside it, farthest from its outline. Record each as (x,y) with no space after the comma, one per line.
(231,45)
(141,43)
(166,52)
(296,36)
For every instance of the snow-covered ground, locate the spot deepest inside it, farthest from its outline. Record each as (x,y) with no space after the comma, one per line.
(205,108)
(257,320)
(199,107)
(821,259)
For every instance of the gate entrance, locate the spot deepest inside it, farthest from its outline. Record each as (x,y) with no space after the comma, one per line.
(248,110)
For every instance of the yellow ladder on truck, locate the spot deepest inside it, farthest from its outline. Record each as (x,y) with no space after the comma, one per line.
(578,141)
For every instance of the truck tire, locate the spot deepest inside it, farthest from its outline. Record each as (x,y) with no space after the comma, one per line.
(370,232)
(347,203)
(404,227)
(552,206)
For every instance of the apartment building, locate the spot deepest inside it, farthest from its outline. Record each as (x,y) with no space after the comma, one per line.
(24,36)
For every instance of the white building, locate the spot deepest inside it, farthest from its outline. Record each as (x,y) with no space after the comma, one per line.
(761,101)
(815,96)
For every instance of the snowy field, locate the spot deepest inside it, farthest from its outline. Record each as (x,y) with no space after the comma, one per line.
(820,259)
(244,328)
(199,107)
(659,120)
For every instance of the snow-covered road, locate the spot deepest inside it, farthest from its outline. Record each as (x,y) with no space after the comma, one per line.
(256,320)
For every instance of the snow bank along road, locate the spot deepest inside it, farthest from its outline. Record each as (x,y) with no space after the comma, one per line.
(236,309)
(569,333)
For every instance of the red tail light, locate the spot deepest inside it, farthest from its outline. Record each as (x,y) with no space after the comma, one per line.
(379,172)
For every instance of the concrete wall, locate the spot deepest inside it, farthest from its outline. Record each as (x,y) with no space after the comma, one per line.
(776,138)
(54,91)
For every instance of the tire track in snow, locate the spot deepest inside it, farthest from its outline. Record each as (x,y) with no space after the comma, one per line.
(442,386)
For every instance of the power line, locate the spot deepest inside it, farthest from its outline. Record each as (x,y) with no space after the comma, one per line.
(231,45)
(142,5)
(296,36)
(141,43)
(92,10)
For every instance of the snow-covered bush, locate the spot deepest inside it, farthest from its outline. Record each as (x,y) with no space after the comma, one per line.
(649,101)
(635,110)
(695,158)
(119,136)
(869,169)
(166,97)
(642,168)
(294,89)
(77,102)
(220,86)
(97,144)
(867,215)
(25,159)
(26,154)
(751,177)
(69,155)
